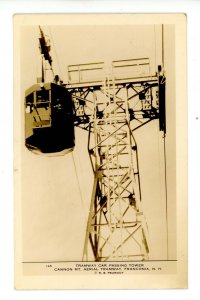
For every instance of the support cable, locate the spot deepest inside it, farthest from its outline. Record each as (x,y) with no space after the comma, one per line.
(166,196)
(43,58)
(79,188)
(155,46)
(163,46)
(165,158)
(54,47)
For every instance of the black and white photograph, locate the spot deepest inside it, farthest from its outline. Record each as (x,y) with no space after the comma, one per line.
(97,149)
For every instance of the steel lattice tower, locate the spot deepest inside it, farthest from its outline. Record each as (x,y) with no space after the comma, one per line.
(116,228)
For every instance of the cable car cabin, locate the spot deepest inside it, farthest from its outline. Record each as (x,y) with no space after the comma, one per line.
(49,124)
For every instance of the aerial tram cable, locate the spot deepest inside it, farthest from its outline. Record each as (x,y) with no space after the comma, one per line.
(155,50)
(79,188)
(56,55)
(45,49)
(73,158)
(165,157)
(164,133)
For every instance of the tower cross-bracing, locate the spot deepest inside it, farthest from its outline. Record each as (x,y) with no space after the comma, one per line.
(111,107)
